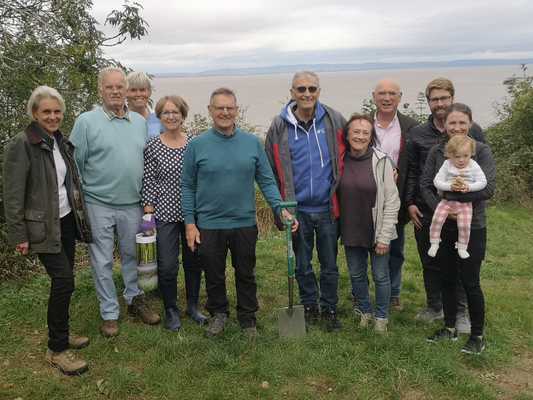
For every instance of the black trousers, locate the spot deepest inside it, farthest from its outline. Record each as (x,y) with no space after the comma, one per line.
(432,275)
(213,250)
(452,267)
(60,268)
(170,236)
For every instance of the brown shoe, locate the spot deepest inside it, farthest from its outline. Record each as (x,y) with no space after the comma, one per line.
(67,362)
(395,304)
(109,328)
(77,342)
(139,308)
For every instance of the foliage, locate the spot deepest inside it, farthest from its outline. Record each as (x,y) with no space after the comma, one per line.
(59,44)
(511,140)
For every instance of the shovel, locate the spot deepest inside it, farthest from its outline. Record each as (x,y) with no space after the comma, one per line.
(291,321)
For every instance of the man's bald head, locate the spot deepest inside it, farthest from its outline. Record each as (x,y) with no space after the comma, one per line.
(387,95)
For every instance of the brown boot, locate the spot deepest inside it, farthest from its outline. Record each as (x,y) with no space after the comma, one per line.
(395,304)
(109,328)
(139,308)
(77,342)
(67,362)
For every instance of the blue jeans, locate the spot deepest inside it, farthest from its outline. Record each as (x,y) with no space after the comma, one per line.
(104,222)
(357,260)
(396,261)
(326,232)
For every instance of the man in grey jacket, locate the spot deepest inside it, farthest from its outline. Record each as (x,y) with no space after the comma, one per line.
(301,145)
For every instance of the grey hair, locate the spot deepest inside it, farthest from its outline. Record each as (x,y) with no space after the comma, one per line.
(222,90)
(40,93)
(139,80)
(108,70)
(305,74)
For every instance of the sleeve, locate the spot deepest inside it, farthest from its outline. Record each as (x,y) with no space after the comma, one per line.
(391,205)
(478,177)
(488,166)
(149,192)
(16,170)
(413,173)
(265,179)
(78,137)
(441,182)
(269,150)
(188,185)
(427,189)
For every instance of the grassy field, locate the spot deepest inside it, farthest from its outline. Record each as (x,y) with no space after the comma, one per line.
(152,363)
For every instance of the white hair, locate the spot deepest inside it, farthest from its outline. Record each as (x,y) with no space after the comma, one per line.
(40,93)
(306,74)
(108,70)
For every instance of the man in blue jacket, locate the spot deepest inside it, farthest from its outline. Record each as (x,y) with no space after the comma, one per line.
(301,145)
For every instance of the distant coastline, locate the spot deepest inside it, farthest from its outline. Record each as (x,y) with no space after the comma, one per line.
(281,69)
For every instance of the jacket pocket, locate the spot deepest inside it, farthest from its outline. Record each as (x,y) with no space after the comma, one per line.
(35,225)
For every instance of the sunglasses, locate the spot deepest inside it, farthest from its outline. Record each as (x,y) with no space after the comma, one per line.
(302,89)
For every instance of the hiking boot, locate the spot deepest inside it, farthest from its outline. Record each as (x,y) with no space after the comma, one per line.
(462,323)
(429,315)
(195,314)
(311,314)
(330,321)
(395,304)
(139,308)
(67,362)
(442,335)
(216,325)
(172,319)
(109,328)
(77,342)
(474,345)
(380,325)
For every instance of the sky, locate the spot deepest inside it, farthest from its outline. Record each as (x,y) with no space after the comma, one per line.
(199,35)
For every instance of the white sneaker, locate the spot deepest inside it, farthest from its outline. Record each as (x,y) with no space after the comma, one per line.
(365,319)
(461,249)
(380,325)
(432,252)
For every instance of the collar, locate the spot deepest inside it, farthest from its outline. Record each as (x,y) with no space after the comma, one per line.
(111,115)
(36,134)
(391,124)
(233,133)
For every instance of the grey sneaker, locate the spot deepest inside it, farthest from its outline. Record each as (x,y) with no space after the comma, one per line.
(250,333)
(462,323)
(216,325)
(429,315)
(380,325)
(442,335)
(475,345)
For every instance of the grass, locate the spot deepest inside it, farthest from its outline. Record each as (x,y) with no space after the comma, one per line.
(151,363)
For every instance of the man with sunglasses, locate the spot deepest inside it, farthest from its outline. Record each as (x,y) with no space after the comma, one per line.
(440,95)
(302,149)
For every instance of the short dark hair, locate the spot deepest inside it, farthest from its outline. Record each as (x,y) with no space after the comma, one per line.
(178,101)
(459,107)
(358,117)
(222,90)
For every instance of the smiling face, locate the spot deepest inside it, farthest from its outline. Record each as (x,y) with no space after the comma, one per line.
(171,117)
(113,90)
(457,123)
(387,96)
(359,136)
(305,91)
(223,111)
(48,115)
(439,100)
(138,98)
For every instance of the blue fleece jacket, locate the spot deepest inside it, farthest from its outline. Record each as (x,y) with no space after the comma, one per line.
(311,163)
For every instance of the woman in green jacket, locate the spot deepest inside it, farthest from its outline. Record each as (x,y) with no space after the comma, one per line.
(45,213)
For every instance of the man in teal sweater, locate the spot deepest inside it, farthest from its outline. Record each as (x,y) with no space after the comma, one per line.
(218,201)
(109,143)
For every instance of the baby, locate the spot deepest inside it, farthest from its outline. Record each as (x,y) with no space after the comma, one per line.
(459,173)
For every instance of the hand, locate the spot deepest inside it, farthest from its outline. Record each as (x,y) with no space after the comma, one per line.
(381,249)
(148,209)
(395,174)
(193,236)
(465,188)
(148,225)
(285,215)
(415,215)
(458,184)
(23,248)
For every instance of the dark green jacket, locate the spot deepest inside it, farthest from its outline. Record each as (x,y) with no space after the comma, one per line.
(31,199)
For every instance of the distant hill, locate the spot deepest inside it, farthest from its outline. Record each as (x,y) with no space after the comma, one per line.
(281,69)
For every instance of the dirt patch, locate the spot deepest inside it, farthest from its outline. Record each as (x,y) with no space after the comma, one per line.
(514,380)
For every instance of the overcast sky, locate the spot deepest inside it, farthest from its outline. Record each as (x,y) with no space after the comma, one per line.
(198,35)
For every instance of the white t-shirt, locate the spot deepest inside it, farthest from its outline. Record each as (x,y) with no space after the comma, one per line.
(61,171)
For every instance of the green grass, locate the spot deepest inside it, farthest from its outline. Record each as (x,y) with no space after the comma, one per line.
(151,363)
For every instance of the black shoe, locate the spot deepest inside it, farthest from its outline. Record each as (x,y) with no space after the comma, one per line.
(195,314)
(311,314)
(474,345)
(443,334)
(172,319)
(330,321)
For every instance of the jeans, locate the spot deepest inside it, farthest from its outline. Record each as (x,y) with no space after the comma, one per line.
(357,260)
(170,236)
(396,261)
(326,231)
(105,221)
(60,268)
(213,251)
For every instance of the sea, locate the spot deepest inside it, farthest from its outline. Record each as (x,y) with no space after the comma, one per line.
(263,96)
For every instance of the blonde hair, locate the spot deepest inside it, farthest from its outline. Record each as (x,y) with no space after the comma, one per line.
(41,93)
(458,142)
(178,101)
(139,80)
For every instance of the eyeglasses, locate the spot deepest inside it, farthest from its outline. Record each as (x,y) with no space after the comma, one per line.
(225,109)
(302,89)
(442,99)
(167,114)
